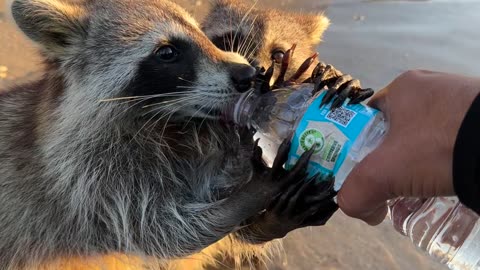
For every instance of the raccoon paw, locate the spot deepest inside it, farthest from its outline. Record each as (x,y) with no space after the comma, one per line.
(266,182)
(340,86)
(307,203)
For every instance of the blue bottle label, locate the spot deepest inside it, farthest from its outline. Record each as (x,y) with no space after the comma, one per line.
(332,132)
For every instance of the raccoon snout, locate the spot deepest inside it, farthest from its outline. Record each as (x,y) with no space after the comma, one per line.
(242,77)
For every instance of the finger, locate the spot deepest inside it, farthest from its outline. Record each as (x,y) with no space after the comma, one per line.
(375,216)
(367,188)
(378,101)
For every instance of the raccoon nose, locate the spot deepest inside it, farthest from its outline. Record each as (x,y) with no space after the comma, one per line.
(242,77)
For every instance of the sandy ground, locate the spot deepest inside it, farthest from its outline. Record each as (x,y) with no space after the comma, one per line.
(374,41)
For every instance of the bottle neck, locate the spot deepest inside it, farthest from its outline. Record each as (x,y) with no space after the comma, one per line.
(244,108)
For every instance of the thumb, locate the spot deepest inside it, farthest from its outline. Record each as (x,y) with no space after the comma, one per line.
(379,100)
(366,189)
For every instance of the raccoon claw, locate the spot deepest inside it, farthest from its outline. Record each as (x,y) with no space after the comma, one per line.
(340,86)
(280,81)
(302,69)
(262,81)
(256,158)
(306,203)
(361,95)
(282,154)
(323,212)
(298,172)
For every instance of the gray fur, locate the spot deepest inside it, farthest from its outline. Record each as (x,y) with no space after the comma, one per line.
(79,177)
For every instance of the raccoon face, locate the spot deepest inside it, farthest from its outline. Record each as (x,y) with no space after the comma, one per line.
(263,36)
(150,53)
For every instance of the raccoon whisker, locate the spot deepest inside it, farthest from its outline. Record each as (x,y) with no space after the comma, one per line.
(169,114)
(140,97)
(164,125)
(171,103)
(243,20)
(154,125)
(161,108)
(135,104)
(218,95)
(185,80)
(126,109)
(249,52)
(252,52)
(165,122)
(205,117)
(183,101)
(252,47)
(230,40)
(193,86)
(191,117)
(165,112)
(119,98)
(140,129)
(247,41)
(167,102)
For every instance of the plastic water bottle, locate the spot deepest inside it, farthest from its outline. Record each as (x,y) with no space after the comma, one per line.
(342,137)
(442,227)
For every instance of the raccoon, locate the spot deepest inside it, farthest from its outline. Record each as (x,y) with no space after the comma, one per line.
(117,149)
(263,36)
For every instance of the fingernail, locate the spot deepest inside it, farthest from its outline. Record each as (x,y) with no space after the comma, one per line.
(375,216)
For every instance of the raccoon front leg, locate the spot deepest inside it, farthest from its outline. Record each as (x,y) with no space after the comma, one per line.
(265,184)
(340,86)
(307,203)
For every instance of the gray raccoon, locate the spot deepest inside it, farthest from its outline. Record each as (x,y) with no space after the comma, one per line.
(262,35)
(148,172)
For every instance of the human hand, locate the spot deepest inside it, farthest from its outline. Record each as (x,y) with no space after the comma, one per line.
(424,110)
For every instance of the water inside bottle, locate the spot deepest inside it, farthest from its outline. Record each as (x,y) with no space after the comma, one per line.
(442,226)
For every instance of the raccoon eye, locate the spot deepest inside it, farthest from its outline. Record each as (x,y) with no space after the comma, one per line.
(277,56)
(166,53)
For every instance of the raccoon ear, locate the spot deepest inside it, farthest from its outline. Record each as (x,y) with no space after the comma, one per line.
(55,25)
(315,26)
